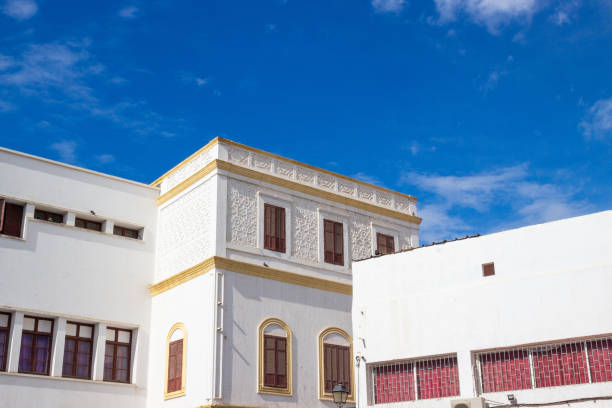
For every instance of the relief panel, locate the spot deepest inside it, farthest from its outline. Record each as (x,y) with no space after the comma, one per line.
(242,213)
(305,230)
(361,237)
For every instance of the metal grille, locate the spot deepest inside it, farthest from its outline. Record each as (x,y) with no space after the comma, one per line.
(549,365)
(417,379)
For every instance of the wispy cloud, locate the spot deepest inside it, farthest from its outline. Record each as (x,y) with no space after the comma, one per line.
(105,158)
(565,12)
(367,178)
(66,149)
(129,12)
(388,6)
(492,81)
(529,201)
(597,123)
(189,78)
(20,9)
(491,13)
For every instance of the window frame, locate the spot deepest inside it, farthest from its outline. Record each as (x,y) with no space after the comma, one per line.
(37,333)
(277,200)
(386,237)
(180,392)
(280,232)
(87,222)
(122,230)
(115,343)
(4,207)
(323,394)
(262,388)
(379,227)
(48,214)
(7,329)
(77,338)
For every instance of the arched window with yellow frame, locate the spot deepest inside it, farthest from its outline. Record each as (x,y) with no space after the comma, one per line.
(275,366)
(176,354)
(335,362)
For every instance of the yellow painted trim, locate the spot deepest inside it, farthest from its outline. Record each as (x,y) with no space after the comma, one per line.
(325,395)
(187,182)
(261,388)
(187,160)
(217,140)
(252,270)
(181,392)
(288,184)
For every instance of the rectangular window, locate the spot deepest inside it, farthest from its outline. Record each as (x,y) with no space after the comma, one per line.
(35,354)
(548,365)
(117,355)
(88,224)
(11,218)
(415,380)
(5,328)
(337,366)
(125,232)
(48,216)
(333,242)
(175,365)
(274,228)
(385,244)
(78,350)
(275,361)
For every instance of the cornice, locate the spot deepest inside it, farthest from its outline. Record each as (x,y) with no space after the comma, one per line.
(288,184)
(245,268)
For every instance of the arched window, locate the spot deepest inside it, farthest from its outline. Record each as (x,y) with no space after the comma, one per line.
(335,362)
(275,358)
(176,347)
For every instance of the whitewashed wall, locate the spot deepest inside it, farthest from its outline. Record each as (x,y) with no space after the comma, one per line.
(67,273)
(552,282)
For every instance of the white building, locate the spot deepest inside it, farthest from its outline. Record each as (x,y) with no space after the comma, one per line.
(524,312)
(227,282)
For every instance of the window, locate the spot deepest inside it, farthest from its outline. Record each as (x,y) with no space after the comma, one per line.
(275,358)
(335,362)
(125,232)
(88,224)
(385,244)
(48,216)
(5,327)
(176,344)
(11,218)
(547,365)
(415,380)
(274,228)
(117,355)
(78,350)
(35,354)
(333,242)
(488,269)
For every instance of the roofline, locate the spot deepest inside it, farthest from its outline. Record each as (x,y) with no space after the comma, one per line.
(217,140)
(77,168)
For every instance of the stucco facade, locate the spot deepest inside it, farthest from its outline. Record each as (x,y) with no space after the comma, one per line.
(550,288)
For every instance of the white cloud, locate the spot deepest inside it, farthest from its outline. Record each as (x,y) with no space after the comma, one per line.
(492,81)
(201,81)
(597,123)
(565,12)
(129,12)
(20,9)
(388,6)
(510,187)
(105,158)
(367,178)
(66,150)
(490,13)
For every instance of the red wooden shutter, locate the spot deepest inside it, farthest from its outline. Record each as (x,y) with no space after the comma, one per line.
(13,215)
(269,361)
(267,229)
(280,222)
(281,362)
(336,366)
(2,206)
(385,244)
(328,238)
(175,365)
(274,228)
(338,244)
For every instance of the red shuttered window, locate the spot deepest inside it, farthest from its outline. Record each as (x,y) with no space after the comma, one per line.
(274,228)
(78,350)
(560,364)
(275,361)
(5,327)
(333,242)
(125,232)
(385,244)
(435,378)
(505,371)
(600,359)
(175,365)
(35,353)
(48,216)
(11,218)
(88,224)
(337,366)
(117,355)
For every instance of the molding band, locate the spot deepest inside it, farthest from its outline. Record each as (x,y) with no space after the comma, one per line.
(245,268)
(288,184)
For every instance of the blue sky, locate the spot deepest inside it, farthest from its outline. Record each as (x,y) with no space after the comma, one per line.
(494,113)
